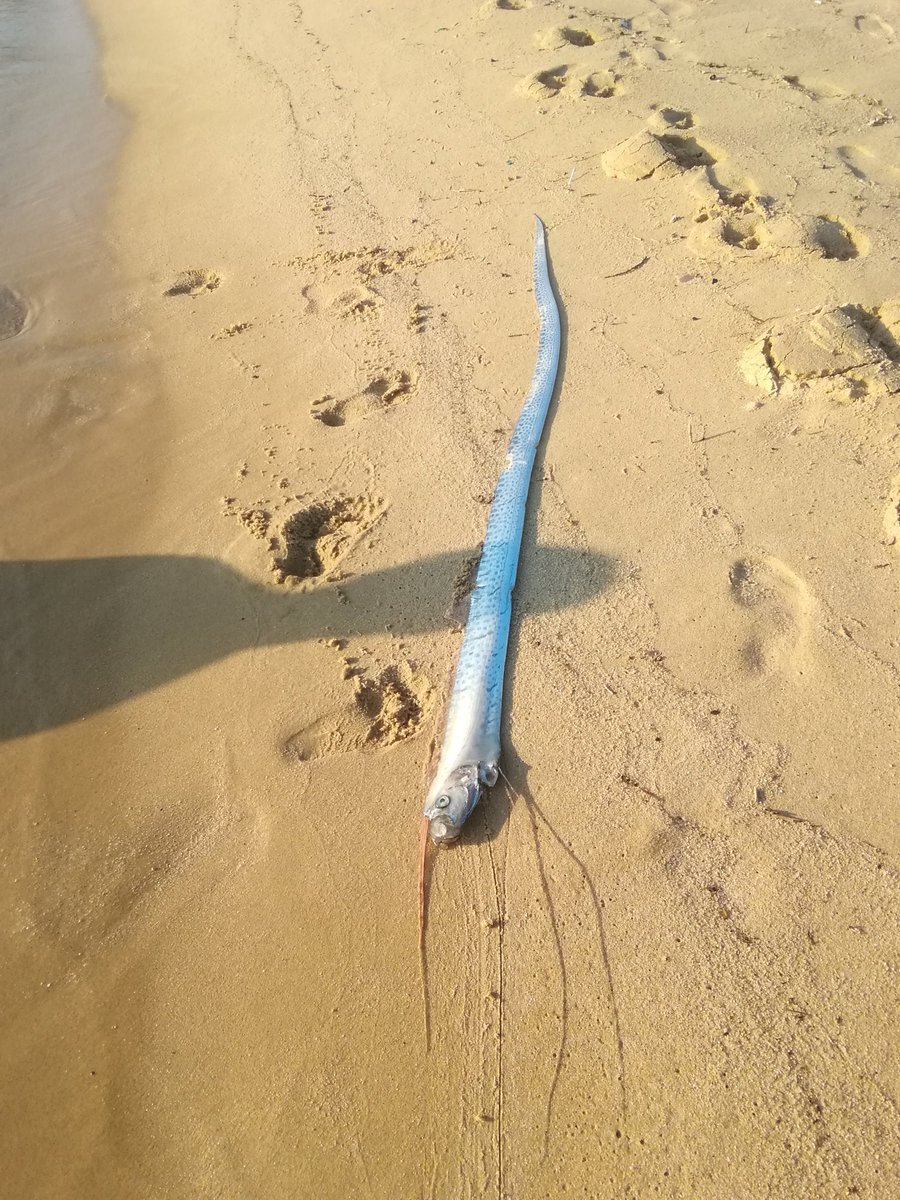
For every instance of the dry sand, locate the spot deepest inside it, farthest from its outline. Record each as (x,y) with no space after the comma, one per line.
(241,509)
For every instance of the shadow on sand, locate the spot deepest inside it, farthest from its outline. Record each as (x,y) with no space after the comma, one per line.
(79,635)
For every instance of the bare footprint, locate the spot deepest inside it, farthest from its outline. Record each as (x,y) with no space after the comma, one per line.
(665,119)
(194,283)
(384,392)
(777,606)
(356,302)
(312,542)
(836,239)
(387,705)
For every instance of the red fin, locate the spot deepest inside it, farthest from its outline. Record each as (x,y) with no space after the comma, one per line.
(423,924)
(423,852)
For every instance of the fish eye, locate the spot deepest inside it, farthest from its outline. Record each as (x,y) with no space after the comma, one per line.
(442,802)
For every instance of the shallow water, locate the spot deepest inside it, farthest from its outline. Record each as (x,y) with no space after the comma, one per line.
(75,375)
(57,140)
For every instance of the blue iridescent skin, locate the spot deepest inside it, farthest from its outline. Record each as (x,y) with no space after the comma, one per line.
(470,751)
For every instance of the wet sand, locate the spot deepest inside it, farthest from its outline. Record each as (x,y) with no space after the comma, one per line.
(243,475)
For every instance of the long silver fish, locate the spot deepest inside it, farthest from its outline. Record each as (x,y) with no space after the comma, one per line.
(470,752)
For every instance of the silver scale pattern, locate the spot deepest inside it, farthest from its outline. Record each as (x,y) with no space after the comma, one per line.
(472,732)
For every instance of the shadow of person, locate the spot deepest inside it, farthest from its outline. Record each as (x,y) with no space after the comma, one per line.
(80,635)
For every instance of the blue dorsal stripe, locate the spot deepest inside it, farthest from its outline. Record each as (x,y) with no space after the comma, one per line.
(473,718)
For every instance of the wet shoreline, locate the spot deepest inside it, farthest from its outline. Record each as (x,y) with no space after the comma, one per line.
(78,380)
(58,142)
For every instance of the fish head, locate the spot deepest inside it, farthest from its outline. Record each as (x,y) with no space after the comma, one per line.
(452,802)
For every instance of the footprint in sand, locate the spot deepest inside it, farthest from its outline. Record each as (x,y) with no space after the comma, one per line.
(727,218)
(351,301)
(14,313)
(388,705)
(845,352)
(599,77)
(743,221)
(574,83)
(565,35)
(194,283)
(384,392)
(836,239)
(777,609)
(356,302)
(312,542)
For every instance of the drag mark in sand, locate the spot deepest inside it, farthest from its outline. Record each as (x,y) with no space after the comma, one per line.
(779,608)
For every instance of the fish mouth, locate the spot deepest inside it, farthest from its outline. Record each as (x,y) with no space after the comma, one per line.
(443,830)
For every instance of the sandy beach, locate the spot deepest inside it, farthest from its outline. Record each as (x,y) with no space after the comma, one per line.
(251,428)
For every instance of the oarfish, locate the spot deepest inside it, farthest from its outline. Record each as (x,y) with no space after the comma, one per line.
(470,752)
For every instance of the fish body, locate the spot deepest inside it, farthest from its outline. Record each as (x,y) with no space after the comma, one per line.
(470,751)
